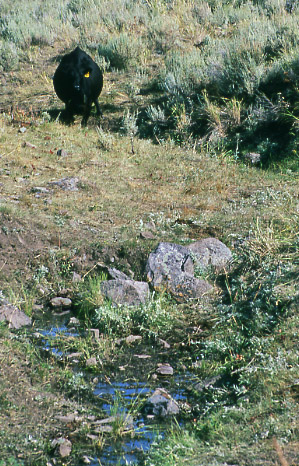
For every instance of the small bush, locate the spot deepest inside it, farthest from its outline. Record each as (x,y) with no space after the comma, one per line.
(9,56)
(122,51)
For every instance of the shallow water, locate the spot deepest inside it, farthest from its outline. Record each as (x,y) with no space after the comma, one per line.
(121,397)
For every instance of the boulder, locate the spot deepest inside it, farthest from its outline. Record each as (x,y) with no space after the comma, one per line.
(127,292)
(170,268)
(14,316)
(185,287)
(210,252)
(166,262)
(160,404)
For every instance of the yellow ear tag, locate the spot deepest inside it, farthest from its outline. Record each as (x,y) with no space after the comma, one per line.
(87,75)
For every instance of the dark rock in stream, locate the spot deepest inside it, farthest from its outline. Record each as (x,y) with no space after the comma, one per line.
(160,404)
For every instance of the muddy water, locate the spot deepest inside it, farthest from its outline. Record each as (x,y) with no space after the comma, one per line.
(122,398)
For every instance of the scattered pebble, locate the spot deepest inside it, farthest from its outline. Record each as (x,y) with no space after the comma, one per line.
(164,369)
(61,302)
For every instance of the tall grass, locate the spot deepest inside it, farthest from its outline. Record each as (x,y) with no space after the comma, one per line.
(209,51)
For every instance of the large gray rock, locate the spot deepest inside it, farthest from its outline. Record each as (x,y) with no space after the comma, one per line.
(167,261)
(160,404)
(210,252)
(170,268)
(128,292)
(185,287)
(14,316)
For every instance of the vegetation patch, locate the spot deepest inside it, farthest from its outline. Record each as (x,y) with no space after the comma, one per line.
(198,139)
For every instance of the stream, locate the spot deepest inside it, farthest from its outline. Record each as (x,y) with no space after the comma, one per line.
(121,399)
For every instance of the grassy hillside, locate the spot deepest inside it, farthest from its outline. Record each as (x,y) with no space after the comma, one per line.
(190,89)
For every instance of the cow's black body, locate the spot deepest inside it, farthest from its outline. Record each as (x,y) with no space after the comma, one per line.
(78,82)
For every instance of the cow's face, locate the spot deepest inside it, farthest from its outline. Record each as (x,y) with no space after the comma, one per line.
(79,79)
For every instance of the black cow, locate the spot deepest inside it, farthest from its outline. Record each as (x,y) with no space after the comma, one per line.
(78,82)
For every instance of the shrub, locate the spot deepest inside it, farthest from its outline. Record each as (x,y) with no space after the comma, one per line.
(9,56)
(122,51)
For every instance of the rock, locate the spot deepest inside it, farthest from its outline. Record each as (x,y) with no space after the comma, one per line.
(86,459)
(132,339)
(170,267)
(91,362)
(67,184)
(252,157)
(76,277)
(164,369)
(28,144)
(106,425)
(39,190)
(59,301)
(160,404)
(166,261)
(14,316)
(74,321)
(163,343)
(68,419)
(117,274)
(63,447)
(147,235)
(186,287)
(210,252)
(128,292)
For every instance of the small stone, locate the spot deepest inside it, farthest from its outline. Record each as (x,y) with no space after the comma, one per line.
(28,144)
(147,235)
(161,404)
(74,321)
(91,362)
(59,301)
(163,343)
(66,184)
(132,339)
(86,459)
(67,419)
(14,316)
(39,189)
(117,274)
(65,448)
(76,277)
(253,157)
(164,369)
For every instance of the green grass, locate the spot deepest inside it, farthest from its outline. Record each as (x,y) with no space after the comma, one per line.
(189,88)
